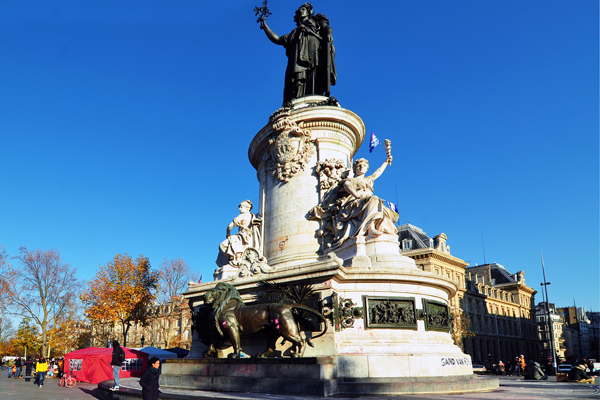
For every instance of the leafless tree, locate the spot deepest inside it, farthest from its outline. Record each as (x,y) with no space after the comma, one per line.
(173,313)
(39,287)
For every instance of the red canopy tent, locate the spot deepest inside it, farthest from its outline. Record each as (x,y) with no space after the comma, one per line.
(93,364)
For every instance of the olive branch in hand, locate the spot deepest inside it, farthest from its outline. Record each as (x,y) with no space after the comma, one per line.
(262,12)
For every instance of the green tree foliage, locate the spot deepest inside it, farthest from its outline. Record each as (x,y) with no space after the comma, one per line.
(27,337)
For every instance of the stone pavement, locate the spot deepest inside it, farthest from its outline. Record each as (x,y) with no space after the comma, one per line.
(18,389)
(511,388)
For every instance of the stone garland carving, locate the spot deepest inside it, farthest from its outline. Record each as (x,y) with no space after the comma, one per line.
(290,146)
(330,173)
(330,102)
(390,312)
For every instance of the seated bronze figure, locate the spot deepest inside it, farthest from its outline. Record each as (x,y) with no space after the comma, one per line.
(230,318)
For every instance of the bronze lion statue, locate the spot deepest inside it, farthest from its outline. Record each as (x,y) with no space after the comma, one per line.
(230,318)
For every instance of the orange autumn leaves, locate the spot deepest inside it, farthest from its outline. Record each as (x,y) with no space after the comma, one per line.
(121,292)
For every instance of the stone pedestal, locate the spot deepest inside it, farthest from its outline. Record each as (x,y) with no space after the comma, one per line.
(309,376)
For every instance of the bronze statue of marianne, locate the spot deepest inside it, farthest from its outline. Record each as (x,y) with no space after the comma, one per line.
(310,52)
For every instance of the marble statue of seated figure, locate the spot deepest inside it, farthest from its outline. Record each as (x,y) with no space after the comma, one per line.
(232,248)
(351,209)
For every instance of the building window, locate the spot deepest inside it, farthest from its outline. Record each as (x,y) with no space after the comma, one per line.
(407,244)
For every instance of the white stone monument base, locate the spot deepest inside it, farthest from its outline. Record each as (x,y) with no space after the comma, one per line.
(362,351)
(380,252)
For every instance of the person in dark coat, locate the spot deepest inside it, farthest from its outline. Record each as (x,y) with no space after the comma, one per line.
(577,374)
(118,356)
(28,367)
(19,365)
(149,380)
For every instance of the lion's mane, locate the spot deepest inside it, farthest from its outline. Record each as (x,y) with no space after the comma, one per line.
(225,293)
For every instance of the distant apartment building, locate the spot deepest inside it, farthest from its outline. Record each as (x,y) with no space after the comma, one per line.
(168,326)
(498,304)
(571,336)
(544,313)
(584,332)
(594,318)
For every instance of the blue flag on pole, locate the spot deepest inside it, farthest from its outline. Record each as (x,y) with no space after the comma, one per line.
(374,142)
(392,206)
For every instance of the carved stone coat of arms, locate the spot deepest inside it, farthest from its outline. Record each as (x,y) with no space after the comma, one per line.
(290,147)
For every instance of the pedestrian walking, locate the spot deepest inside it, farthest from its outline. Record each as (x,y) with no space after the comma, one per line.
(522,364)
(41,368)
(518,366)
(18,365)
(118,356)
(149,380)
(28,367)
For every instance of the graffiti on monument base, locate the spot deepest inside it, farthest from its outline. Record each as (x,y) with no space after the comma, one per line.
(455,361)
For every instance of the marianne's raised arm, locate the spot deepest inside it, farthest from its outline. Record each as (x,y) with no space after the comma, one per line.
(380,170)
(273,37)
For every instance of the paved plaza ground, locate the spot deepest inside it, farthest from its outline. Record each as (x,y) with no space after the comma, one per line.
(511,388)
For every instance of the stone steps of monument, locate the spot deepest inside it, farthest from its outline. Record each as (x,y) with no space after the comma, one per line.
(429,385)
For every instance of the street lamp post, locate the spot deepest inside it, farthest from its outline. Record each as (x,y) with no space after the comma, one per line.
(545,284)
(547,318)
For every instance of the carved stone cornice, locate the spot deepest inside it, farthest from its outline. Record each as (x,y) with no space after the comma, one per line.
(437,255)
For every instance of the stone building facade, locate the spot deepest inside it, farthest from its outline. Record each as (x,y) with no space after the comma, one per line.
(168,327)
(542,314)
(583,332)
(498,304)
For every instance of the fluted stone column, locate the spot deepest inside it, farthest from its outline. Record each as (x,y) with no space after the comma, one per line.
(285,153)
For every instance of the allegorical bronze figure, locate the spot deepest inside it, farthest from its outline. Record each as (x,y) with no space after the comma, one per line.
(230,318)
(310,52)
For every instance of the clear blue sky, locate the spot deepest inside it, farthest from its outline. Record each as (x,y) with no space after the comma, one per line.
(124,126)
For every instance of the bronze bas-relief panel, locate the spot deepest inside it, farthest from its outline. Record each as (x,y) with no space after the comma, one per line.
(437,316)
(390,312)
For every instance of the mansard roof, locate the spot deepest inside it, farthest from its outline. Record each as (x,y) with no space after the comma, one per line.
(408,231)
